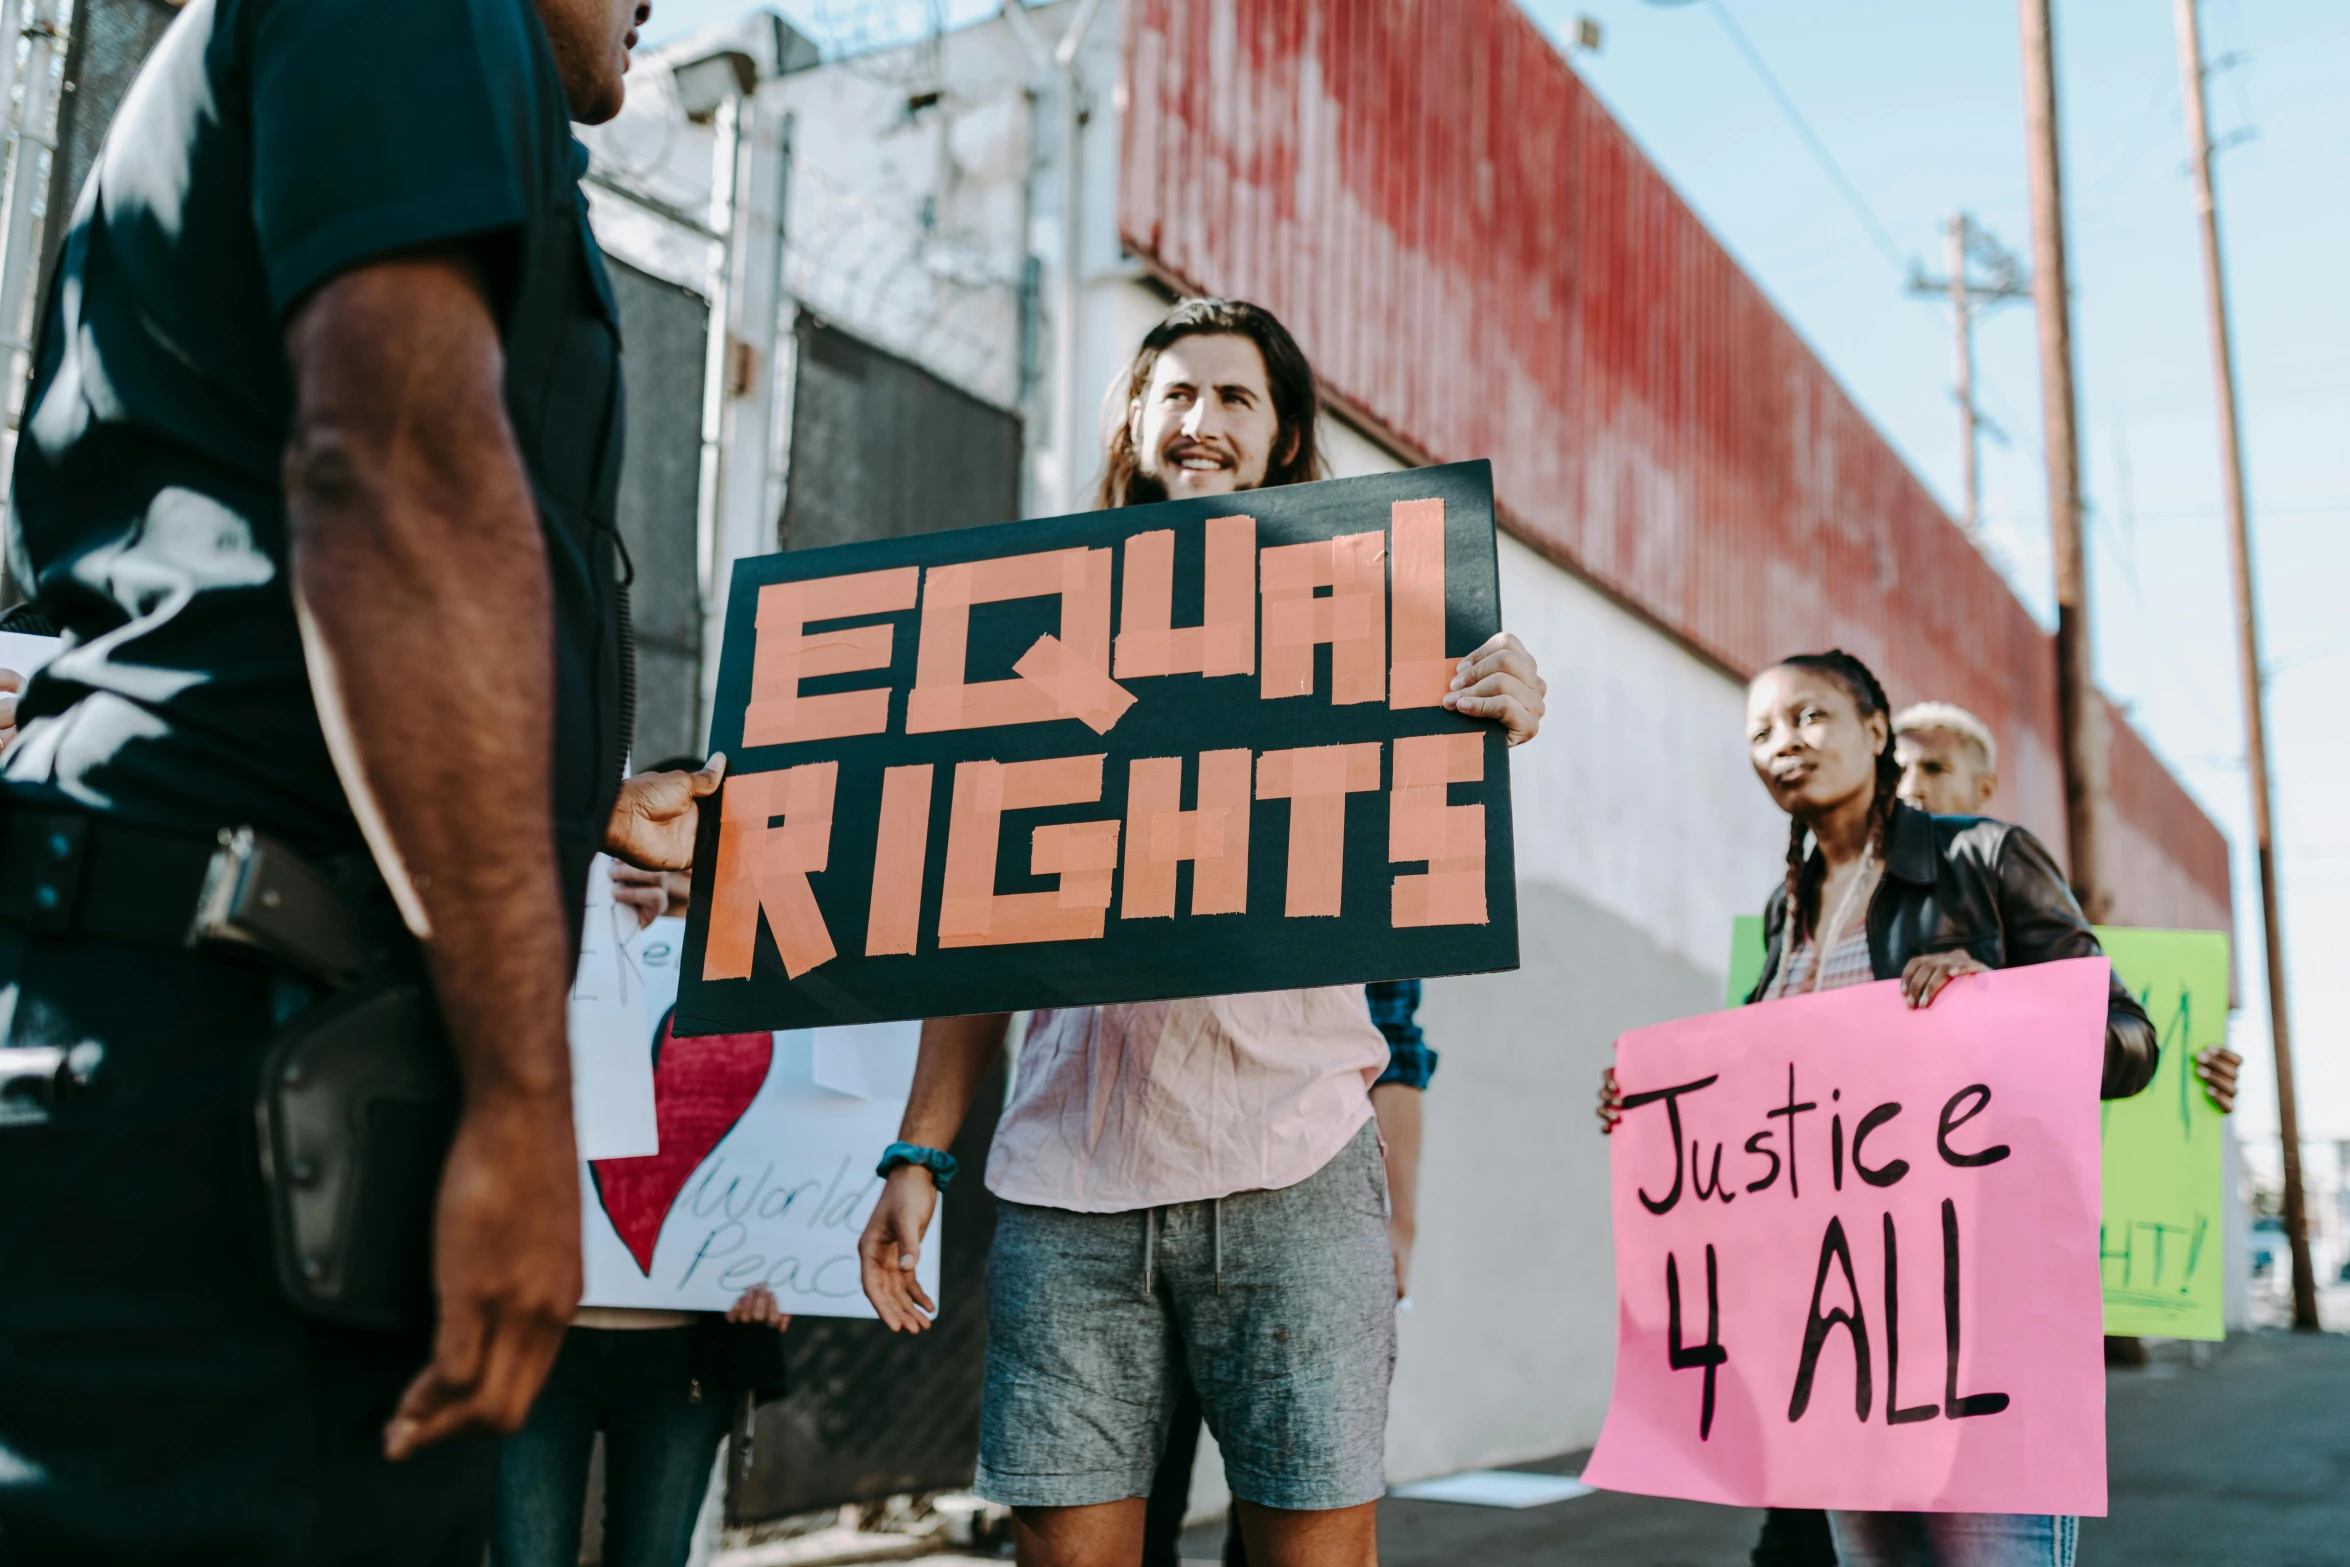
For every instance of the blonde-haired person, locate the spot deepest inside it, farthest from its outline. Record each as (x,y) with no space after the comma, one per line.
(1950,767)
(661,1387)
(1949,762)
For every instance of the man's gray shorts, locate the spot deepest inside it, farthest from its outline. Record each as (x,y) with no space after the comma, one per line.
(1092,1319)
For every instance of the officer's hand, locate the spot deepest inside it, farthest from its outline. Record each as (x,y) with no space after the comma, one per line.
(505,1269)
(654,819)
(1499,681)
(10,682)
(892,1243)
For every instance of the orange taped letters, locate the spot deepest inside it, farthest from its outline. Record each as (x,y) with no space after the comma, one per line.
(1224,643)
(786,652)
(942,700)
(900,846)
(763,869)
(1451,838)
(1083,854)
(1146,606)
(971,912)
(1161,834)
(1316,780)
(1078,690)
(1422,674)
(1352,619)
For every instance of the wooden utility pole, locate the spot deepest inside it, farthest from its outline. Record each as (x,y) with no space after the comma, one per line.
(2082,742)
(2231,461)
(1962,311)
(1968,299)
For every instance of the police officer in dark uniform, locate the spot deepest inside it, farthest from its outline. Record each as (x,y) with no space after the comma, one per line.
(318,476)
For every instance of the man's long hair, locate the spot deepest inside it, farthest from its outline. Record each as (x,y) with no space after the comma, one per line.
(1296,456)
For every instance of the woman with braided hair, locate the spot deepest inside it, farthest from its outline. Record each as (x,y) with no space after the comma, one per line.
(1878,890)
(1797,962)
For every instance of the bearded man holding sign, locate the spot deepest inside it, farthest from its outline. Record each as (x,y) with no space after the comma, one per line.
(1222,1217)
(1963,1139)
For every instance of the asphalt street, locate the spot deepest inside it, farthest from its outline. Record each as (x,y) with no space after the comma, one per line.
(2235,1454)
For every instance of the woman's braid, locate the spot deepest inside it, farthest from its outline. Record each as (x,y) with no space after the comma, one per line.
(1805,873)
(1802,882)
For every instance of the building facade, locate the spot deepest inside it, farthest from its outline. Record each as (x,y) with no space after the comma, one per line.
(891,293)
(1481,263)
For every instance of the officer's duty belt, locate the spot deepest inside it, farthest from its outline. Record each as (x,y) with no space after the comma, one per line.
(65,873)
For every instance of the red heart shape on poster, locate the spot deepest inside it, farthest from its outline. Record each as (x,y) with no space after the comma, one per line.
(701,1087)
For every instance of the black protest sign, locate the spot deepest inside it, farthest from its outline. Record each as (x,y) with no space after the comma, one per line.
(1185,749)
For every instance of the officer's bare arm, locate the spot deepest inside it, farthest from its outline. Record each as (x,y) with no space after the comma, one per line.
(420,581)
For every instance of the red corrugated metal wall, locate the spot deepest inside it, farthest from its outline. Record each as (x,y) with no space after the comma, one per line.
(1480,262)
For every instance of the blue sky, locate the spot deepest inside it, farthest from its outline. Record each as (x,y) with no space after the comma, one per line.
(1921,106)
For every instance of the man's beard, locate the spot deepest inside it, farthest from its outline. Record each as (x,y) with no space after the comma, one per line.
(1148,489)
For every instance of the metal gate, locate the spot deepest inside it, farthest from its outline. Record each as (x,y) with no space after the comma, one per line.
(881,448)
(665,329)
(109,41)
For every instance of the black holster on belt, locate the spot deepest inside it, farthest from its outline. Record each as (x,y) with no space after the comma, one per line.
(358,1099)
(359,1093)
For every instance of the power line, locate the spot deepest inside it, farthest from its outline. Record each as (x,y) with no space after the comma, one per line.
(1878,232)
(2308,655)
(1811,138)
(1972,249)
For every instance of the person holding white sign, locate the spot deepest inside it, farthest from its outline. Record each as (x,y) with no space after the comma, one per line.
(1877,889)
(1193,1188)
(662,1387)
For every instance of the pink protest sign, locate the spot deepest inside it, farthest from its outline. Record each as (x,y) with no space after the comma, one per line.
(1856,1252)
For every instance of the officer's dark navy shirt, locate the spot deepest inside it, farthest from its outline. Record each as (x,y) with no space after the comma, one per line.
(268,146)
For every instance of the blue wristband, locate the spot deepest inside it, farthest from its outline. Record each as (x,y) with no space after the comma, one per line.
(937,1161)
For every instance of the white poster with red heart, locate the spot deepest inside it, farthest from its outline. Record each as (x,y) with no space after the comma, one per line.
(764,1173)
(610,1019)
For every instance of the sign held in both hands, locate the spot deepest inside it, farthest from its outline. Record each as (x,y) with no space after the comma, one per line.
(1182,749)
(1857,1251)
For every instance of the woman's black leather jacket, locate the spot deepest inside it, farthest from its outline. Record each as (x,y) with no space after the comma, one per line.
(1993,889)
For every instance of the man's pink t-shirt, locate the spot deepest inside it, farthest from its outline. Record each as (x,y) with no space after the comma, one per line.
(1154,1102)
